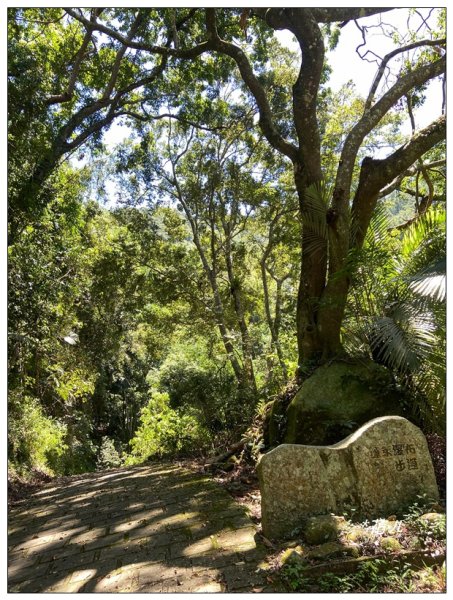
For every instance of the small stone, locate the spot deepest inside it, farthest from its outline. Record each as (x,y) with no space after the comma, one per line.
(416,544)
(292,556)
(390,544)
(324,528)
(432,518)
(358,534)
(333,549)
(433,524)
(262,566)
(290,544)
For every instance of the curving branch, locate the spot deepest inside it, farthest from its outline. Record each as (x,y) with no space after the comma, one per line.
(396,183)
(119,57)
(386,60)
(152,48)
(332,15)
(68,94)
(266,121)
(85,122)
(375,175)
(80,55)
(369,120)
(276,18)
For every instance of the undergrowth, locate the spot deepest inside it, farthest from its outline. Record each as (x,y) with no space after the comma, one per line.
(371,577)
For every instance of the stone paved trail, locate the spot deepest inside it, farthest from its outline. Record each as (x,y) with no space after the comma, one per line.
(159,528)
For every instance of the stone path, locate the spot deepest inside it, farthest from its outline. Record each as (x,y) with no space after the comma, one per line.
(158,528)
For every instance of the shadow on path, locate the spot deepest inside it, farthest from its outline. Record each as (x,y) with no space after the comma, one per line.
(154,528)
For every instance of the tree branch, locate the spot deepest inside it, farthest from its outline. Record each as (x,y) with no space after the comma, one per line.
(154,49)
(274,16)
(388,57)
(266,118)
(147,117)
(396,183)
(376,174)
(119,57)
(332,15)
(370,120)
(67,95)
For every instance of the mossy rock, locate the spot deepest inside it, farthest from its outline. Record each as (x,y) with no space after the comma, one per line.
(358,534)
(433,518)
(324,528)
(337,399)
(390,544)
(333,550)
(293,556)
(434,523)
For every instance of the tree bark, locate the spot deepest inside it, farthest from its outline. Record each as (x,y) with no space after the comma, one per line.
(312,279)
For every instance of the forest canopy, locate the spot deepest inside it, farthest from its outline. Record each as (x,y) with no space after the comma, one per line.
(253,223)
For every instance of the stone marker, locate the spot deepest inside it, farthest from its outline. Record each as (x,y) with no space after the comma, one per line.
(377,470)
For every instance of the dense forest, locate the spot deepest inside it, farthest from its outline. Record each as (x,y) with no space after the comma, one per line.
(252,225)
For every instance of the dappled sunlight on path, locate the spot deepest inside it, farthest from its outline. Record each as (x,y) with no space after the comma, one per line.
(157,528)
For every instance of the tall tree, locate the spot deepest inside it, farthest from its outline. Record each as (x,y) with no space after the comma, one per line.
(178,43)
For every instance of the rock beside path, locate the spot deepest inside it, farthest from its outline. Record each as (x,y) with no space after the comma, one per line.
(380,469)
(337,399)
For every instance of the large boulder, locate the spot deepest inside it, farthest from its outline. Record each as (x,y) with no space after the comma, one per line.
(337,399)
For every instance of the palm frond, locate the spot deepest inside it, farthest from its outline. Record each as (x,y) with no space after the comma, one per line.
(421,234)
(389,345)
(378,229)
(397,307)
(431,282)
(314,209)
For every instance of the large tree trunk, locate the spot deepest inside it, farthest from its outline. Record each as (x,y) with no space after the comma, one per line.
(323,291)
(312,278)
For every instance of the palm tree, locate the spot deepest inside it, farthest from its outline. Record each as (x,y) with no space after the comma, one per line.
(397,309)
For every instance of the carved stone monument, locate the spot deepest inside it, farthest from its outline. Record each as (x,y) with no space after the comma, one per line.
(382,467)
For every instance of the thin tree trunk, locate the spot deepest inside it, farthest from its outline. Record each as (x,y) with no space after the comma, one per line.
(273,323)
(212,278)
(277,323)
(220,313)
(249,374)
